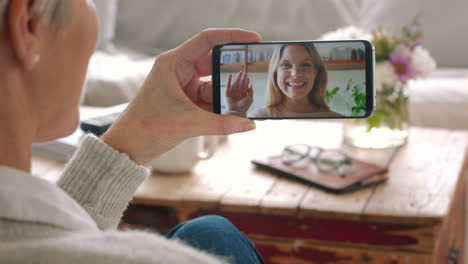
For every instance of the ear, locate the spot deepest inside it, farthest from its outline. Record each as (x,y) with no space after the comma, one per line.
(23,31)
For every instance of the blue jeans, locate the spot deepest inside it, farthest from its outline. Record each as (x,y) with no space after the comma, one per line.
(217,236)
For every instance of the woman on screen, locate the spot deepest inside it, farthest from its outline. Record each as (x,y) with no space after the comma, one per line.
(297,81)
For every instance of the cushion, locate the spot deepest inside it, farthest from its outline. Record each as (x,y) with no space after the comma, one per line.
(114,78)
(106,12)
(440,100)
(444,25)
(167,24)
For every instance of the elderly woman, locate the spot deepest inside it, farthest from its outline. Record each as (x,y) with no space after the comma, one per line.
(45,46)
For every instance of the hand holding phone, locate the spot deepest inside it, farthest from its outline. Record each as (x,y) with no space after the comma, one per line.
(171,105)
(294,79)
(239,94)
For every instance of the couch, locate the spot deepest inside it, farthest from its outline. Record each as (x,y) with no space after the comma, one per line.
(134,32)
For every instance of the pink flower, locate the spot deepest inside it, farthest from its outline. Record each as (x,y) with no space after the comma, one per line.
(419,40)
(401,60)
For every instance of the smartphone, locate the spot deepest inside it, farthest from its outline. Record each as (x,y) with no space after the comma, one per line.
(294,79)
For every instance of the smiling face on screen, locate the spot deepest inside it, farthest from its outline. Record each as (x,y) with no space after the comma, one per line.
(296,72)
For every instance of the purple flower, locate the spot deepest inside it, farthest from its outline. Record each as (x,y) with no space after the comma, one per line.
(418,41)
(401,60)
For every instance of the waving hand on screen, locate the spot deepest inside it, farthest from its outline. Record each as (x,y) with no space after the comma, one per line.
(239,95)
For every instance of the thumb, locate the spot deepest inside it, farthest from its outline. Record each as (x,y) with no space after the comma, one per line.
(217,124)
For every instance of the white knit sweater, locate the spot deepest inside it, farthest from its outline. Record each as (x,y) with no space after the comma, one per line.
(75,222)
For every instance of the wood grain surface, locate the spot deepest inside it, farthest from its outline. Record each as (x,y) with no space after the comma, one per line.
(423,176)
(417,216)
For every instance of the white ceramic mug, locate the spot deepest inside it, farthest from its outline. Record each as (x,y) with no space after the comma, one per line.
(183,157)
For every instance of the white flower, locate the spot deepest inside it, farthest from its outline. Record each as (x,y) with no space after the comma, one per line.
(349,32)
(423,63)
(384,75)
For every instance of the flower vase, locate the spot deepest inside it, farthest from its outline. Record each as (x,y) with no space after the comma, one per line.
(387,127)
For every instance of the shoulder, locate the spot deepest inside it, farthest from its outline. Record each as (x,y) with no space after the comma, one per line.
(106,247)
(263,112)
(333,114)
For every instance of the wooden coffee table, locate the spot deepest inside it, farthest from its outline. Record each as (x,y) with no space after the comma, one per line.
(416,217)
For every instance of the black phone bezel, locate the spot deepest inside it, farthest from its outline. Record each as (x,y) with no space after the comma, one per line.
(369,71)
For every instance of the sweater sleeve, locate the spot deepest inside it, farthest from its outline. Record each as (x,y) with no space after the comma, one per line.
(102,180)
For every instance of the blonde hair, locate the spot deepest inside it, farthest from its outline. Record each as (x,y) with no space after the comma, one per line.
(55,12)
(316,96)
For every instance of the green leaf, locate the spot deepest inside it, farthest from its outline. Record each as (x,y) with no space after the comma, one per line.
(330,94)
(383,43)
(374,121)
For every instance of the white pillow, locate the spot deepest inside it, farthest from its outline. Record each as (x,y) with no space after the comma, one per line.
(107,14)
(440,100)
(115,78)
(148,24)
(445,25)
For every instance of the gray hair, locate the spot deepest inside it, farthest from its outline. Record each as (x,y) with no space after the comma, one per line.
(54,12)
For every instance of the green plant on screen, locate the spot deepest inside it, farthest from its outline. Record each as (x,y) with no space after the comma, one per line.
(350,101)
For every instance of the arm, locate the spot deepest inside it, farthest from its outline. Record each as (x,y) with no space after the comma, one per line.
(101,180)
(173,104)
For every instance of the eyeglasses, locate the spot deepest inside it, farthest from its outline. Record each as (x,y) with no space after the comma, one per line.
(326,160)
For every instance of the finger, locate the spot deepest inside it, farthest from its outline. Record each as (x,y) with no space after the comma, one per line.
(206,106)
(202,43)
(237,82)
(243,85)
(205,91)
(246,87)
(250,91)
(216,124)
(228,85)
(203,66)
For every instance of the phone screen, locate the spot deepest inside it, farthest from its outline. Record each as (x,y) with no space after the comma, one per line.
(294,80)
